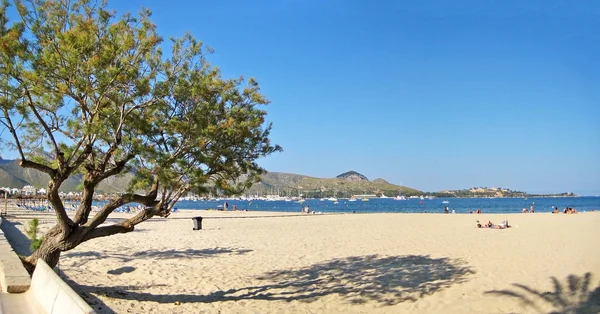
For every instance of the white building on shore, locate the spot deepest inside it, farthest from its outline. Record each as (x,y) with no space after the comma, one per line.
(28,190)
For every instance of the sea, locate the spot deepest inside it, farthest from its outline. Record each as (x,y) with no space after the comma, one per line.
(389,205)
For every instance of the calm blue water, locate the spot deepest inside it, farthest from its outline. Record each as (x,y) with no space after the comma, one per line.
(461,205)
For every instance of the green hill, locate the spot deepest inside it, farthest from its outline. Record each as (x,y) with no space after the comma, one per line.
(284,184)
(14,176)
(345,185)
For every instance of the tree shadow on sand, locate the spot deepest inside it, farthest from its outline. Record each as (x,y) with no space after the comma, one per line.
(88,256)
(357,279)
(574,297)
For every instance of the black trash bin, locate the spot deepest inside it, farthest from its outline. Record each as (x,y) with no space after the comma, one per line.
(197,222)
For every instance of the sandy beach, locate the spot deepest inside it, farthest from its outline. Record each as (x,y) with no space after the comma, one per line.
(264,262)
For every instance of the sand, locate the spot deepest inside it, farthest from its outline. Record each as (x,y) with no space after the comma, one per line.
(344,263)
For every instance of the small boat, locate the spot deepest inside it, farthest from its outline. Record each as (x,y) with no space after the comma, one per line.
(365,199)
(399,198)
(352,200)
(300,201)
(335,202)
(445,202)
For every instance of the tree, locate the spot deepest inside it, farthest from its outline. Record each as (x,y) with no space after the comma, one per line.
(86,92)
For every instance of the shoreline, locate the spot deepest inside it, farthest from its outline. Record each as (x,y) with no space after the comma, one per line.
(187,213)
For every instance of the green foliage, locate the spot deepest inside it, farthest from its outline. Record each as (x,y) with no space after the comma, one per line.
(91,90)
(32,232)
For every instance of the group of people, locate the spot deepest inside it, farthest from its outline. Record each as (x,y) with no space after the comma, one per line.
(567,210)
(531,210)
(447,211)
(226,207)
(502,225)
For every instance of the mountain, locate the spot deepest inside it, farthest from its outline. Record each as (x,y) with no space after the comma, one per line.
(380,180)
(345,185)
(352,176)
(14,176)
(4,161)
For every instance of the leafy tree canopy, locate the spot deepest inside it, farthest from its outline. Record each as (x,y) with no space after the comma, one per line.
(84,90)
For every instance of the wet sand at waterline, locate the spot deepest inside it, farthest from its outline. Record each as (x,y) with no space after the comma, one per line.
(265,262)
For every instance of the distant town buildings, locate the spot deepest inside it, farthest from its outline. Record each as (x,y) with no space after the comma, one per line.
(28,190)
(32,191)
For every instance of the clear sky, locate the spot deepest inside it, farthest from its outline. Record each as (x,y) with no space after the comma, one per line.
(430,94)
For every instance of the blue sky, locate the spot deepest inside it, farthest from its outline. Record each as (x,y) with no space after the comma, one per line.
(433,95)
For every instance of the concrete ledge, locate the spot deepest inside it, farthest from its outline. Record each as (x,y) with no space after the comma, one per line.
(13,276)
(53,294)
(48,294)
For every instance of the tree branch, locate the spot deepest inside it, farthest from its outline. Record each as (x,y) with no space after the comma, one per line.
(59,153)
(82,156)
(108,231)
(61,215)
(85,207)
(12,130)
(34,165)
(148,200)
(119,166)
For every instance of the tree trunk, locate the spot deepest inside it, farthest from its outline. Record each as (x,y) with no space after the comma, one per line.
(49,251)
(55,242)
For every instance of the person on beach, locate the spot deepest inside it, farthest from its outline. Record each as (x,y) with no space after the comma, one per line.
(503,225)
(446,210)
(225,206)
(234,207)
(531,209)
(524,211)
(478,211)
(570,210)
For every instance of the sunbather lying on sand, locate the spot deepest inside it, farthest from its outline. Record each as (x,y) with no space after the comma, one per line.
(503,225)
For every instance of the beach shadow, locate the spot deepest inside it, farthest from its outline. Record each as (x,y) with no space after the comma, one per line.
(94,301)
(88,256)
(121,270)
(190,253)
(357,279)
(19,241)
(574,296)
